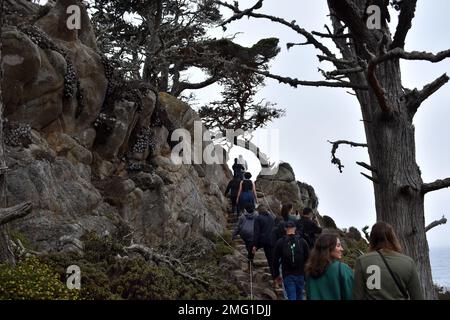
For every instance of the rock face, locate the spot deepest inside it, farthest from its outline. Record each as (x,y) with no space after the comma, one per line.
(100,147)
(274,190)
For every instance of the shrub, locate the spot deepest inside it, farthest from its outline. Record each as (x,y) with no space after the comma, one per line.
(106,276)
(31,279)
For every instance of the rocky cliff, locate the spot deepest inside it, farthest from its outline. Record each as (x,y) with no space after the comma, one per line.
(89,149)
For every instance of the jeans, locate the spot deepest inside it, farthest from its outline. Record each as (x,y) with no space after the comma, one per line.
(293,285)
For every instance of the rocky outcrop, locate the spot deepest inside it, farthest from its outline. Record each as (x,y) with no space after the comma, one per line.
(282,187)
(98,151)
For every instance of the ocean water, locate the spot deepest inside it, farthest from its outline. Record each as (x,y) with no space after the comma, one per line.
(440,266)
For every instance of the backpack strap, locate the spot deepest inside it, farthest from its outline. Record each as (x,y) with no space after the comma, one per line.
(397,282)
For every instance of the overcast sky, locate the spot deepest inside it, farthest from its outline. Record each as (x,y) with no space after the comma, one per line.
(315,115)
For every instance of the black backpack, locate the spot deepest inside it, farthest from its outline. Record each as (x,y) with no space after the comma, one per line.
(309,238)
(292,255)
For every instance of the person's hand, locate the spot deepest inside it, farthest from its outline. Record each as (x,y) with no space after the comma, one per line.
(254,250)
(278,280)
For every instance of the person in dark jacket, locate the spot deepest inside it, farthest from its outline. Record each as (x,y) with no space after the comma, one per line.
(291,252)
(233,189)
(308,227)
(280,221)
(238,170)
(248,217)
(264,224)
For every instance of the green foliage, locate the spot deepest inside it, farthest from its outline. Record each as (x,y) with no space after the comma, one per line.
(32,279)
(353,249)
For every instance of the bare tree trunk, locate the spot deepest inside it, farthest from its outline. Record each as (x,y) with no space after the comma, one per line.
(398,196)
(390,135)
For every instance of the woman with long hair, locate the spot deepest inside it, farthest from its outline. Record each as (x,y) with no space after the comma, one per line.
(385,273)
(326,277)
(247,192)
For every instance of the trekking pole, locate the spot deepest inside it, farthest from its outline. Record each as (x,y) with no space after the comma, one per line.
(251,279)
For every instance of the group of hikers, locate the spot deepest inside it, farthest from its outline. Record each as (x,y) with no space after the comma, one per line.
(302,258)
(241,189)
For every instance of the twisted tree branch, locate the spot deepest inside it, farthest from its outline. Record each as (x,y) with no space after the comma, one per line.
(13,213)
(171,262)
(334,159)
(295,82)
(238,14)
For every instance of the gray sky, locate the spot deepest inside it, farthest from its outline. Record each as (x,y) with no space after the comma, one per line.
(315,115)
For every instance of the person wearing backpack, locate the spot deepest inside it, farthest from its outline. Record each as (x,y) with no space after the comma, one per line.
(326,277)
(307,227)
(245,229)
(238,170)
(291,252)
(398,278)
(279,228)
(264,224)
(232,189)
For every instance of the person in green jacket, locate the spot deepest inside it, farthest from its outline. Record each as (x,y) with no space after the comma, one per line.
(326,277)
(385,273)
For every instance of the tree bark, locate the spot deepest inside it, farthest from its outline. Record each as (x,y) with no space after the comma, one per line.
(389,129)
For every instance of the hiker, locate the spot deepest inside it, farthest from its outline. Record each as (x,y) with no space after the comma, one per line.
(238,170)
(243,162)
(291,252)
(397,274)
(308,227)
(326,277)
(262,238)
(247,192)
(285,216)
(233,189)
(245,229)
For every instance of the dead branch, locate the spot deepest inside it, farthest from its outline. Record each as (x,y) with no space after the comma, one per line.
(405,18)
(366,166)
(238,14)
(13,213)
(399,53)
(295,82)
(336,61)
(374,180)
(334,159)
(170,262)
(344,71)
(415,98)
(436,185)
(331,35)
(435,224)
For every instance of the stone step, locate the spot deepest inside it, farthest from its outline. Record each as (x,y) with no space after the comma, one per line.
(260,263)
(260,255)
